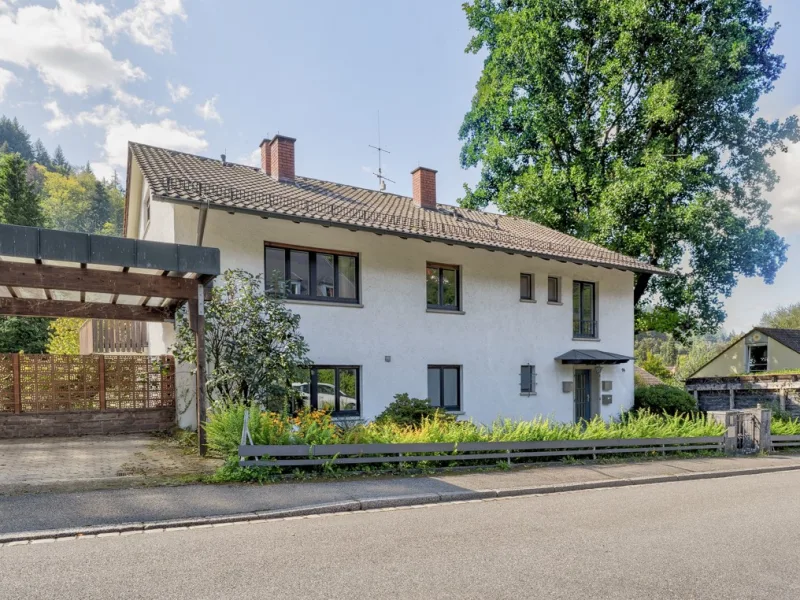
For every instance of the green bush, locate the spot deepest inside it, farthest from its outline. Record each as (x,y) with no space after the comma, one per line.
(785,426)
(664,398)
(409,412)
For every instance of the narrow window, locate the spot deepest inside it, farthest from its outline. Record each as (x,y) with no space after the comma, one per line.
(444,386)
(311,274)
(525,286)
(584,323)
(442,287)
(330,388)
(757,359)
(553,290)
(528,380)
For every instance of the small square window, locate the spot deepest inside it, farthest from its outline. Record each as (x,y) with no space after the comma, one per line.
(444,386)
(525,286)
(757,359)
(527,380)
(442,285)
(553,289)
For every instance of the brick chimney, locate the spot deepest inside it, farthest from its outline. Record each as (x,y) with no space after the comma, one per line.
(266,157)
(282,158)
(424,184)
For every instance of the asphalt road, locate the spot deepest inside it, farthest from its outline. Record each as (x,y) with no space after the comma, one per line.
(711,539)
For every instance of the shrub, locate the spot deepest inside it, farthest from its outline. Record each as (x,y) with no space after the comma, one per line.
(410,412)
(664,398)
(785,426)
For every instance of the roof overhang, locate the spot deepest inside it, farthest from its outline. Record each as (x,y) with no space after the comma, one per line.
(592,357)
(47,272)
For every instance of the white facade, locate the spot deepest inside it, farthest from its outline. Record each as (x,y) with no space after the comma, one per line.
(392,337)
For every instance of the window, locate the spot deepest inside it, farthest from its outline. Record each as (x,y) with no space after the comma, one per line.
(444,386)
(757,358)
(584,324)
(554,289)
(527,380)
(525,286)
(334,389)
(312,274)
(442,287)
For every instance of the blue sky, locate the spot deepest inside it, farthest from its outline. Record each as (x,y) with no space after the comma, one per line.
(208,77)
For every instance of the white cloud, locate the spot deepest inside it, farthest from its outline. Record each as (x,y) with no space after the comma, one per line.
(253,159)
(178,92)
(103,170)
(6,79)
(127,99)
(59,120)
(65,45)
(149,23)
(208,110)
(784,198)
(160,111)
(102,115)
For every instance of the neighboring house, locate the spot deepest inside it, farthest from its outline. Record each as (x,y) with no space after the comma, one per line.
(486,315)
(762,349)
(645,378)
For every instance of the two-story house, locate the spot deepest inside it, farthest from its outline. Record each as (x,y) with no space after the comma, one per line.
(486,315)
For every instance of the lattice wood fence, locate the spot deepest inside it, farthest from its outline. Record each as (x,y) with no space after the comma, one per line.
(40,383)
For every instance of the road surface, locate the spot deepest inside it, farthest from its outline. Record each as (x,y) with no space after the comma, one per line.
(712,539)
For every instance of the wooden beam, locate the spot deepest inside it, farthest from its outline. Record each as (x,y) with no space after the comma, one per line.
(31,307)
(97,281)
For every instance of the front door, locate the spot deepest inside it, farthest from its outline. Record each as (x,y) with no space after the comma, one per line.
(583,395)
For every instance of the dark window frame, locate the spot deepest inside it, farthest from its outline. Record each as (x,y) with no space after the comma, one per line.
(312,273)
(584,328)
(531,391)
(440,295)
(750,360)
(530,296)
(459,399)
(558,289)
(313,396)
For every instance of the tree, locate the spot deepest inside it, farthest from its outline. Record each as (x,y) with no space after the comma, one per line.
(60,163)
(65,336)
(631,124)
(701,351)
(15,137)
(40,155)
(20,334)
(100,209)
(253,346)
(19,202)
(654,365)
(783,317)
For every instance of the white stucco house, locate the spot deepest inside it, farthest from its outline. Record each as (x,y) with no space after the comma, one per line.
(486,315)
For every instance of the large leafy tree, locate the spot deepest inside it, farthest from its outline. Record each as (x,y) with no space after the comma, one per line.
(632,124)
(784,317)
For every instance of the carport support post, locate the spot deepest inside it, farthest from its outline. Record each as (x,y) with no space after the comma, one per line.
(197,322)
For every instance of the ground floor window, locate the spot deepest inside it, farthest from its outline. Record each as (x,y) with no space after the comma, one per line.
(331,388)
(444,386)
(527,380)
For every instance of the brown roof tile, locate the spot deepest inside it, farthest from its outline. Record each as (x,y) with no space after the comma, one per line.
(186,177)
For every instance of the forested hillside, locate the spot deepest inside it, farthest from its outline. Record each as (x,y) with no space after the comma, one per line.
(43,190)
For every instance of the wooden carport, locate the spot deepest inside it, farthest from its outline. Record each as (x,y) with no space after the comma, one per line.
(51,273)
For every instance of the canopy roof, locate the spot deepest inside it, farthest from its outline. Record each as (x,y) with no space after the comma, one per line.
(592,357)
(52,273)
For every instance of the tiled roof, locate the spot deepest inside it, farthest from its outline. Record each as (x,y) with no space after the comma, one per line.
(645,378)
(788,337)
(186,177)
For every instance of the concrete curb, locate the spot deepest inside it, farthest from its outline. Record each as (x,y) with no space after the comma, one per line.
(366,504)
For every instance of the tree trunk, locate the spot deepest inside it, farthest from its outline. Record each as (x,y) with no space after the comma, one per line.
(642,279)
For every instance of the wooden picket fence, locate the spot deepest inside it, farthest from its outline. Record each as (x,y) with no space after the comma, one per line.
(44,383)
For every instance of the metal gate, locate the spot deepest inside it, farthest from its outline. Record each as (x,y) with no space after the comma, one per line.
(746,429)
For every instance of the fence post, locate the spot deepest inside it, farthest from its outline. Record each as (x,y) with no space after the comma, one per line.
(15,378)
(732,394)
(101,370)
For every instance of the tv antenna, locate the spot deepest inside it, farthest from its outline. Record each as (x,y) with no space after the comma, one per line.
(381,178)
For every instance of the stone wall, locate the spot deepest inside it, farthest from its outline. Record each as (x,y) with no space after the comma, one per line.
(85,423)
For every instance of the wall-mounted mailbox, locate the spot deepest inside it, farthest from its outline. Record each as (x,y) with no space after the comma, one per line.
(607,386)
(606,398)
(566,387)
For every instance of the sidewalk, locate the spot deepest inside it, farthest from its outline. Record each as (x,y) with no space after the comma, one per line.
(63,514)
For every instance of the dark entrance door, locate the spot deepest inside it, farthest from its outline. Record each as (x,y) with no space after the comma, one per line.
(583,395)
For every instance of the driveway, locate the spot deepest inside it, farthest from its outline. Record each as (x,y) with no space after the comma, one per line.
(49,464)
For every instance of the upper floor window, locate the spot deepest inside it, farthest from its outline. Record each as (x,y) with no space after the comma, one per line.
(311,274)
(584,321)
(330,388)
(525,286)
(554,289)
(442,286)
(757,358)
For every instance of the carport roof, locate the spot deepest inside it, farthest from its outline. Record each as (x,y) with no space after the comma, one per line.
(47,272)
(592,357)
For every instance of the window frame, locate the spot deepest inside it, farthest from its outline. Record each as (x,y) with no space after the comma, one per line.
(313,387)
(531,297)
(558,289)
(748,361)
(532,390)
(312,272)
(440,293)
(577,333)
(459,399)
